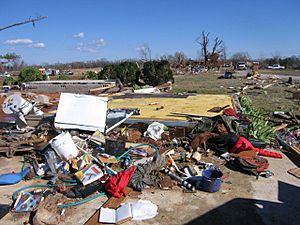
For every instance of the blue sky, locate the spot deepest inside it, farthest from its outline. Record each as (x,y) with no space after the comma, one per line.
(95,29)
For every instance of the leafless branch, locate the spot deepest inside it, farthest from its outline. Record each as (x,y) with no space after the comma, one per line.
(24,22)
(203,40)
(145,52)
(217,48)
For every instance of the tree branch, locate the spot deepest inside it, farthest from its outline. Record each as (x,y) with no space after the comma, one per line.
(27,21)
(217,48)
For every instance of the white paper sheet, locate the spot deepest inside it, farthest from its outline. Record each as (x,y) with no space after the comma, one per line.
(123,212)
(107,215)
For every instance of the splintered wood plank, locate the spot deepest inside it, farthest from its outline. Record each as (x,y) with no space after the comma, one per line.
(295,172)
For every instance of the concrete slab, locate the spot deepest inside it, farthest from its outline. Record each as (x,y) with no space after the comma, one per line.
(241,200)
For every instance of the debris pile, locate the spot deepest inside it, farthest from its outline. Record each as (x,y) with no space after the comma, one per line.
(87,150)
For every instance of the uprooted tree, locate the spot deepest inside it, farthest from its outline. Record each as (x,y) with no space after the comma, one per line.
(212,56)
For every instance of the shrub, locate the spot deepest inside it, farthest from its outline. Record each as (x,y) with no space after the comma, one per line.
(157,72)
(30,74)
(63,77)
(10,81)
(108,72)
(127,72)
(90,75)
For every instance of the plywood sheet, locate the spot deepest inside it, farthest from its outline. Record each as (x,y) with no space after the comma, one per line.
(198,104)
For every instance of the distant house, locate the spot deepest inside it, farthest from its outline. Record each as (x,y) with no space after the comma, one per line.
(49,71)
(42,71)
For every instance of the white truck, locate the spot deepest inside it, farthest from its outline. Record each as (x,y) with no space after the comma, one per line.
(276,67)
(241,66)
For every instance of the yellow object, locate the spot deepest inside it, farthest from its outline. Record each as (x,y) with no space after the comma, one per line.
(198,104)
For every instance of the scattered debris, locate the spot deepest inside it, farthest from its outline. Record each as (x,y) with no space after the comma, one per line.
(90,149)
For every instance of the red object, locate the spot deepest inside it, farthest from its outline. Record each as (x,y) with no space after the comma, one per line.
(115,185)
(243,144)
(230,112)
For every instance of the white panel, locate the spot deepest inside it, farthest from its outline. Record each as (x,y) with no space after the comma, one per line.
(84,112)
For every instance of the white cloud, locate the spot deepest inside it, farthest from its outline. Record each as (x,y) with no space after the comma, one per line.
(37,45)
(99,42)
(140,49)
(79,35)
(86,49)
(18,41)
(91,47)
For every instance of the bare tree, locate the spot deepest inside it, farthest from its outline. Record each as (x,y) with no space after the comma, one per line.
(223,54)
(240,57)
(24,22)
(145,52)
(179,58)
(203,41)
(218,46)
(210,57)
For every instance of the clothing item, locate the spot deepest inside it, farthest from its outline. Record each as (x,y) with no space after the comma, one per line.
(243,144)
(115,185)
(230,112)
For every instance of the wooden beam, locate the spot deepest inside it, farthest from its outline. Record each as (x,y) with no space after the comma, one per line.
(24,22)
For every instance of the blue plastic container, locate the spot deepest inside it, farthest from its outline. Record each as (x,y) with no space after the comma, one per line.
(211,181)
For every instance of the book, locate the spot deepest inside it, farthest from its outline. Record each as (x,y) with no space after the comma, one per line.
(116,216)
(89,174)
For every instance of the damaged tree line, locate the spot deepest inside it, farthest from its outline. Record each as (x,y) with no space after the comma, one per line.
(129,73)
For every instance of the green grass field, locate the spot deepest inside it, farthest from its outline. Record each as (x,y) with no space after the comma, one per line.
(275,98)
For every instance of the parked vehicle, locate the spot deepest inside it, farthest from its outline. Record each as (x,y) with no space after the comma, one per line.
(6,88)
(6,74)
(241,66)
(276,67)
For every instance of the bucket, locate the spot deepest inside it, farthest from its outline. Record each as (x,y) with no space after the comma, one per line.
(64,146)
(211,180)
